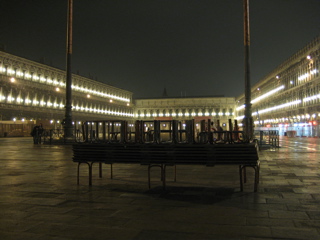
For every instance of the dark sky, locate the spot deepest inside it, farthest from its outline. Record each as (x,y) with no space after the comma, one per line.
(191,47)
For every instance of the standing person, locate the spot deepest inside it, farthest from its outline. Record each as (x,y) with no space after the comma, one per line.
(34,134)
(37,133)
(40,132)
(220,133)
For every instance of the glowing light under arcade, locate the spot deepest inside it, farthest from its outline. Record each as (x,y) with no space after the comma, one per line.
(49,81)
(263,96)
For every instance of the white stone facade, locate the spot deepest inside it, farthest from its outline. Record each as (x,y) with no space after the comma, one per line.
(288,99)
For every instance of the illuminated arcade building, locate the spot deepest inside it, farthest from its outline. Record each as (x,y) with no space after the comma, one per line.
(288,98)
(183,108)
(34,91)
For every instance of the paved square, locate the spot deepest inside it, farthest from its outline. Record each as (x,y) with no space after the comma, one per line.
(41,200)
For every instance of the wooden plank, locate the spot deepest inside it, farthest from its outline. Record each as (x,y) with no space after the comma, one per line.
(166,153)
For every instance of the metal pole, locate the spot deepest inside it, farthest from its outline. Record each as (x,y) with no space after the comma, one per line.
(68,127)
(247,121)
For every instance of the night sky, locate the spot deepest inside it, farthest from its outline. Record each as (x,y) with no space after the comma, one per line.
(191,47)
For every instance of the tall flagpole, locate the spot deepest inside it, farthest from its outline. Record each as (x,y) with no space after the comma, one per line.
(248,120)
(68,127)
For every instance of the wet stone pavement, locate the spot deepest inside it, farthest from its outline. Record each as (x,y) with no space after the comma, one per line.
(40,198)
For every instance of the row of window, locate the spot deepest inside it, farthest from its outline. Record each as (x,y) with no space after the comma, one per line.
(59,103)
(58,79)
(183,113)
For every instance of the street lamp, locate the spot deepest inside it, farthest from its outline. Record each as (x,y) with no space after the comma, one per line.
(248,120)
(67,123)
